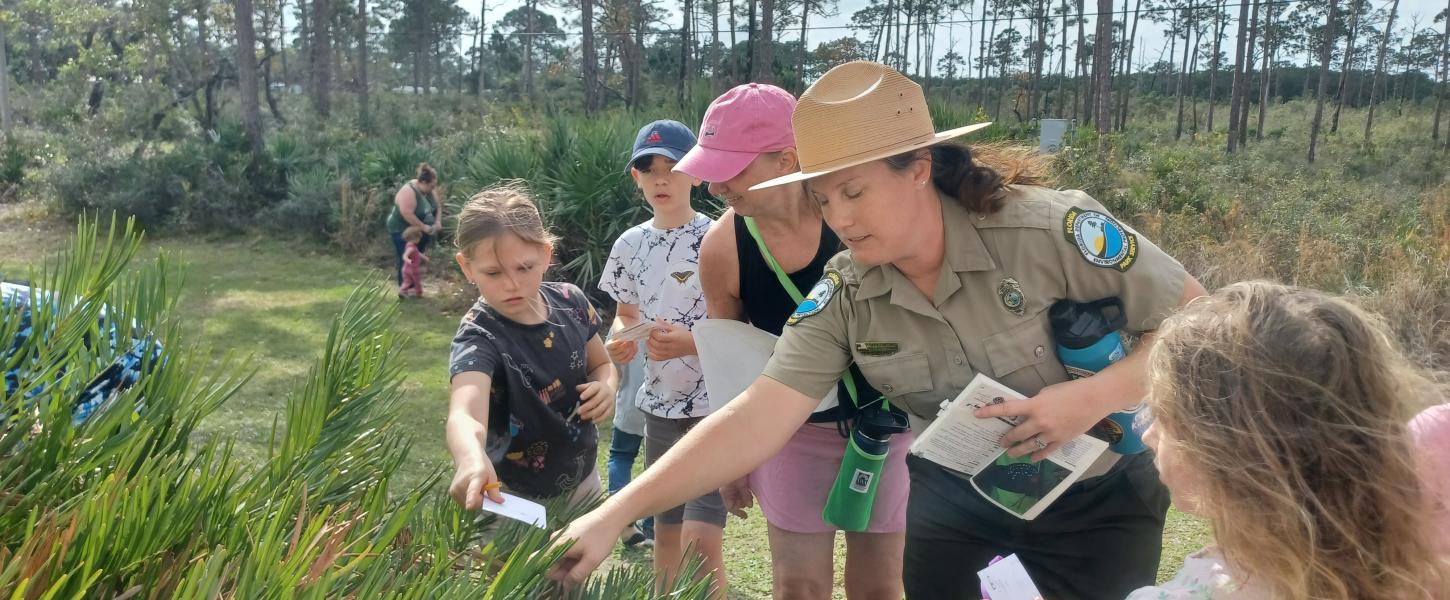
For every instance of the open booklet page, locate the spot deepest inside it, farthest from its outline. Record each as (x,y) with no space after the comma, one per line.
(961,442)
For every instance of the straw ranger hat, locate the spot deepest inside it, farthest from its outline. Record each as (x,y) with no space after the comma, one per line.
(856,113)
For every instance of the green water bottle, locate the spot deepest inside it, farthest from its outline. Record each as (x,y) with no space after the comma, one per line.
(854,493)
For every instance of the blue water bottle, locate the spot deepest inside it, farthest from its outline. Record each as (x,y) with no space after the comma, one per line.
(1087,342)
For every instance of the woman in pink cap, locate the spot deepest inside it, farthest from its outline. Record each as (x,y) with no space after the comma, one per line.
(746,138)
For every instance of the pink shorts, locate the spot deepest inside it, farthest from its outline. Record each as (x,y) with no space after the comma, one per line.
(793,485)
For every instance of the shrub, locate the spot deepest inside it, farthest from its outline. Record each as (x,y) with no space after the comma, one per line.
(126,500)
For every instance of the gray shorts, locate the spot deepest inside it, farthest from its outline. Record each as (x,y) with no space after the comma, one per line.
(627,416)
(661,434)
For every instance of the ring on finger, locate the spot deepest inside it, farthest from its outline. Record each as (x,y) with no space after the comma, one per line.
(1041,445)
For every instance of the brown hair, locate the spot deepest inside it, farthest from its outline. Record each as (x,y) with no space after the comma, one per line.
(978,175)
(426,173)
(1290,406)
(505,207)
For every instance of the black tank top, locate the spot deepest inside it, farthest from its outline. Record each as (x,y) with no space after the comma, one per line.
(768,305)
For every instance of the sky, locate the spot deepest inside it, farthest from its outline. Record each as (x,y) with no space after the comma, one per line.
(1151,41)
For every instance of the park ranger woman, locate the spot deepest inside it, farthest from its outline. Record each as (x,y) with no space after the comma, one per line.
(951,265)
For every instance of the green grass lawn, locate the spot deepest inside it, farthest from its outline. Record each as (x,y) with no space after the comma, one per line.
(273,301)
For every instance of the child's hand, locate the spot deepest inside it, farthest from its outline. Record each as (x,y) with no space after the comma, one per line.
(472,481)
(738,497)
(596,402)
(669,340)
(621,351)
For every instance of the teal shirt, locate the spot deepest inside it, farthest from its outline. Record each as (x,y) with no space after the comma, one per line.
(423,209)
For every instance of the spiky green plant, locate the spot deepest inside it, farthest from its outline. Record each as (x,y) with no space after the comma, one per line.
(129,504)
(587,197)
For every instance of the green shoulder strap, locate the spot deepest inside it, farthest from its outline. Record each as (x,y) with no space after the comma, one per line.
(795,294)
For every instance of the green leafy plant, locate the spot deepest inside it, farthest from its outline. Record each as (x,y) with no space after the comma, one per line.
(127,503)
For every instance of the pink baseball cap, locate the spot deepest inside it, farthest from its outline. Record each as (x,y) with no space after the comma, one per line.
(743,123)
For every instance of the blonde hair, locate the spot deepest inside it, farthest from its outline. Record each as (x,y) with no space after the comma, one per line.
(1290,405)
(413,234)
(502,208)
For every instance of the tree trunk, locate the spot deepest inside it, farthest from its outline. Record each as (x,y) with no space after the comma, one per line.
(529,50)
(635,52)
(1267,72)
(1172,46)
(304,37)
(1218,27)
(362,63)
(1128,70)
(1444,80)
(990,56)
(1348,63)
(591,57)
(1080,97)
(1248,70)
(751,45)
(800,65)
(480,38)
(267,85)
(203,33)
(983,55)
(7,124)
(1188,27)
(1379,70)
(1103,67)
(1040,57)
(282,41)
(1062,111)
(246,76)
(1193,72)
(1121,67)
(715,46)
(1325,52)
(1236,96)
(418,36)
(683,87)
(734,64)
(321,57)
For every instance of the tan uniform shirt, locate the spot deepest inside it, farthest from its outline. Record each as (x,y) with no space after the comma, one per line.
(1000,275)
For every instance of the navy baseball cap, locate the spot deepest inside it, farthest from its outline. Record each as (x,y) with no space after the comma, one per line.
(665,138)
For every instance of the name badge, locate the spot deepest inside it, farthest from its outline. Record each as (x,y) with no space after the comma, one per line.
(878,348)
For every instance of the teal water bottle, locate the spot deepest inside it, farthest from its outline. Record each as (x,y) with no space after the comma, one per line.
(1087,342)
(852,496)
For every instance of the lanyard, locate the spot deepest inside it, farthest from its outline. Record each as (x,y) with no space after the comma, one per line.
(795,294)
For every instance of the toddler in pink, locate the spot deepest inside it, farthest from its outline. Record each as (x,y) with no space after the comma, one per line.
(413,260)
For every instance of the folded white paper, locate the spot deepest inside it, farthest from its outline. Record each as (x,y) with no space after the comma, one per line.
(1007,579)
(518,509)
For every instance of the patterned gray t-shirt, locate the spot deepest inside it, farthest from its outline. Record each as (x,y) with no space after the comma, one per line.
(537,444)
(659,269)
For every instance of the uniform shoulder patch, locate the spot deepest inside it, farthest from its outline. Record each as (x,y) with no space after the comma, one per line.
(1100,239)
(818,298)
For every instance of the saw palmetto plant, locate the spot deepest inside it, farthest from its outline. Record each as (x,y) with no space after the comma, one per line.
(130,502)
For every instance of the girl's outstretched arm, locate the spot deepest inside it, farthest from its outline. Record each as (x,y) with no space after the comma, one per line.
(467,430)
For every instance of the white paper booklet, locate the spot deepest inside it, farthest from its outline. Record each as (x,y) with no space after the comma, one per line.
(961,442)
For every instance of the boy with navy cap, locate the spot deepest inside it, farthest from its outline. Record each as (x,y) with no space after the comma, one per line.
(653,273)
